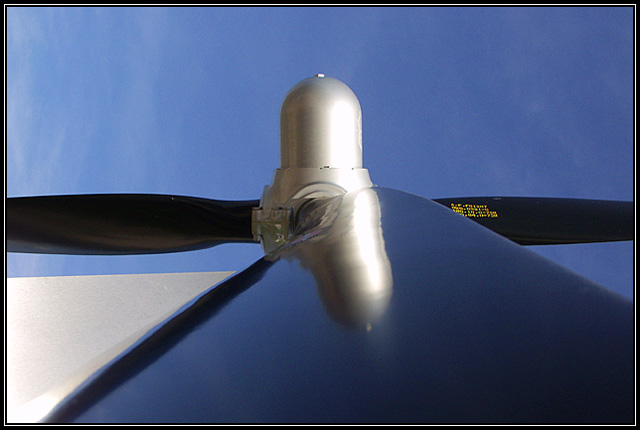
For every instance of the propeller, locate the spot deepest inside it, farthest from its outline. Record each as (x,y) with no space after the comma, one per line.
(321,157)
(109,224)
(549,221)
(122,224)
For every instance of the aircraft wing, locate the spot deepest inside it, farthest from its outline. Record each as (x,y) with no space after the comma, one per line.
(61,329)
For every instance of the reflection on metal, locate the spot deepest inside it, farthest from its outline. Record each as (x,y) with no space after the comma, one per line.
(340,241)
(321,125)
(478,330)
(320,155)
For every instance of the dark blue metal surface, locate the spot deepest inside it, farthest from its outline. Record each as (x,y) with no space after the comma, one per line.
(438,320)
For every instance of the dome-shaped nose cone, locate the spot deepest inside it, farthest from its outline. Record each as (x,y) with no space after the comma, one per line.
(321,125)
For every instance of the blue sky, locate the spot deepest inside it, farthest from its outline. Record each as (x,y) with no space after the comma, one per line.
(456,102)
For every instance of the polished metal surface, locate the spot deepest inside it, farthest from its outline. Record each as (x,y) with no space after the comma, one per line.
(321,125)
(386,307)
(320,155)
(340,242)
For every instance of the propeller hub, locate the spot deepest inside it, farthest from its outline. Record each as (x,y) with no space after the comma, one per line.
(320,155)
(321,125)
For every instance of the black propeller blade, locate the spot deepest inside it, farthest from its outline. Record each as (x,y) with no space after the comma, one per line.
(105,224)
(548,221)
